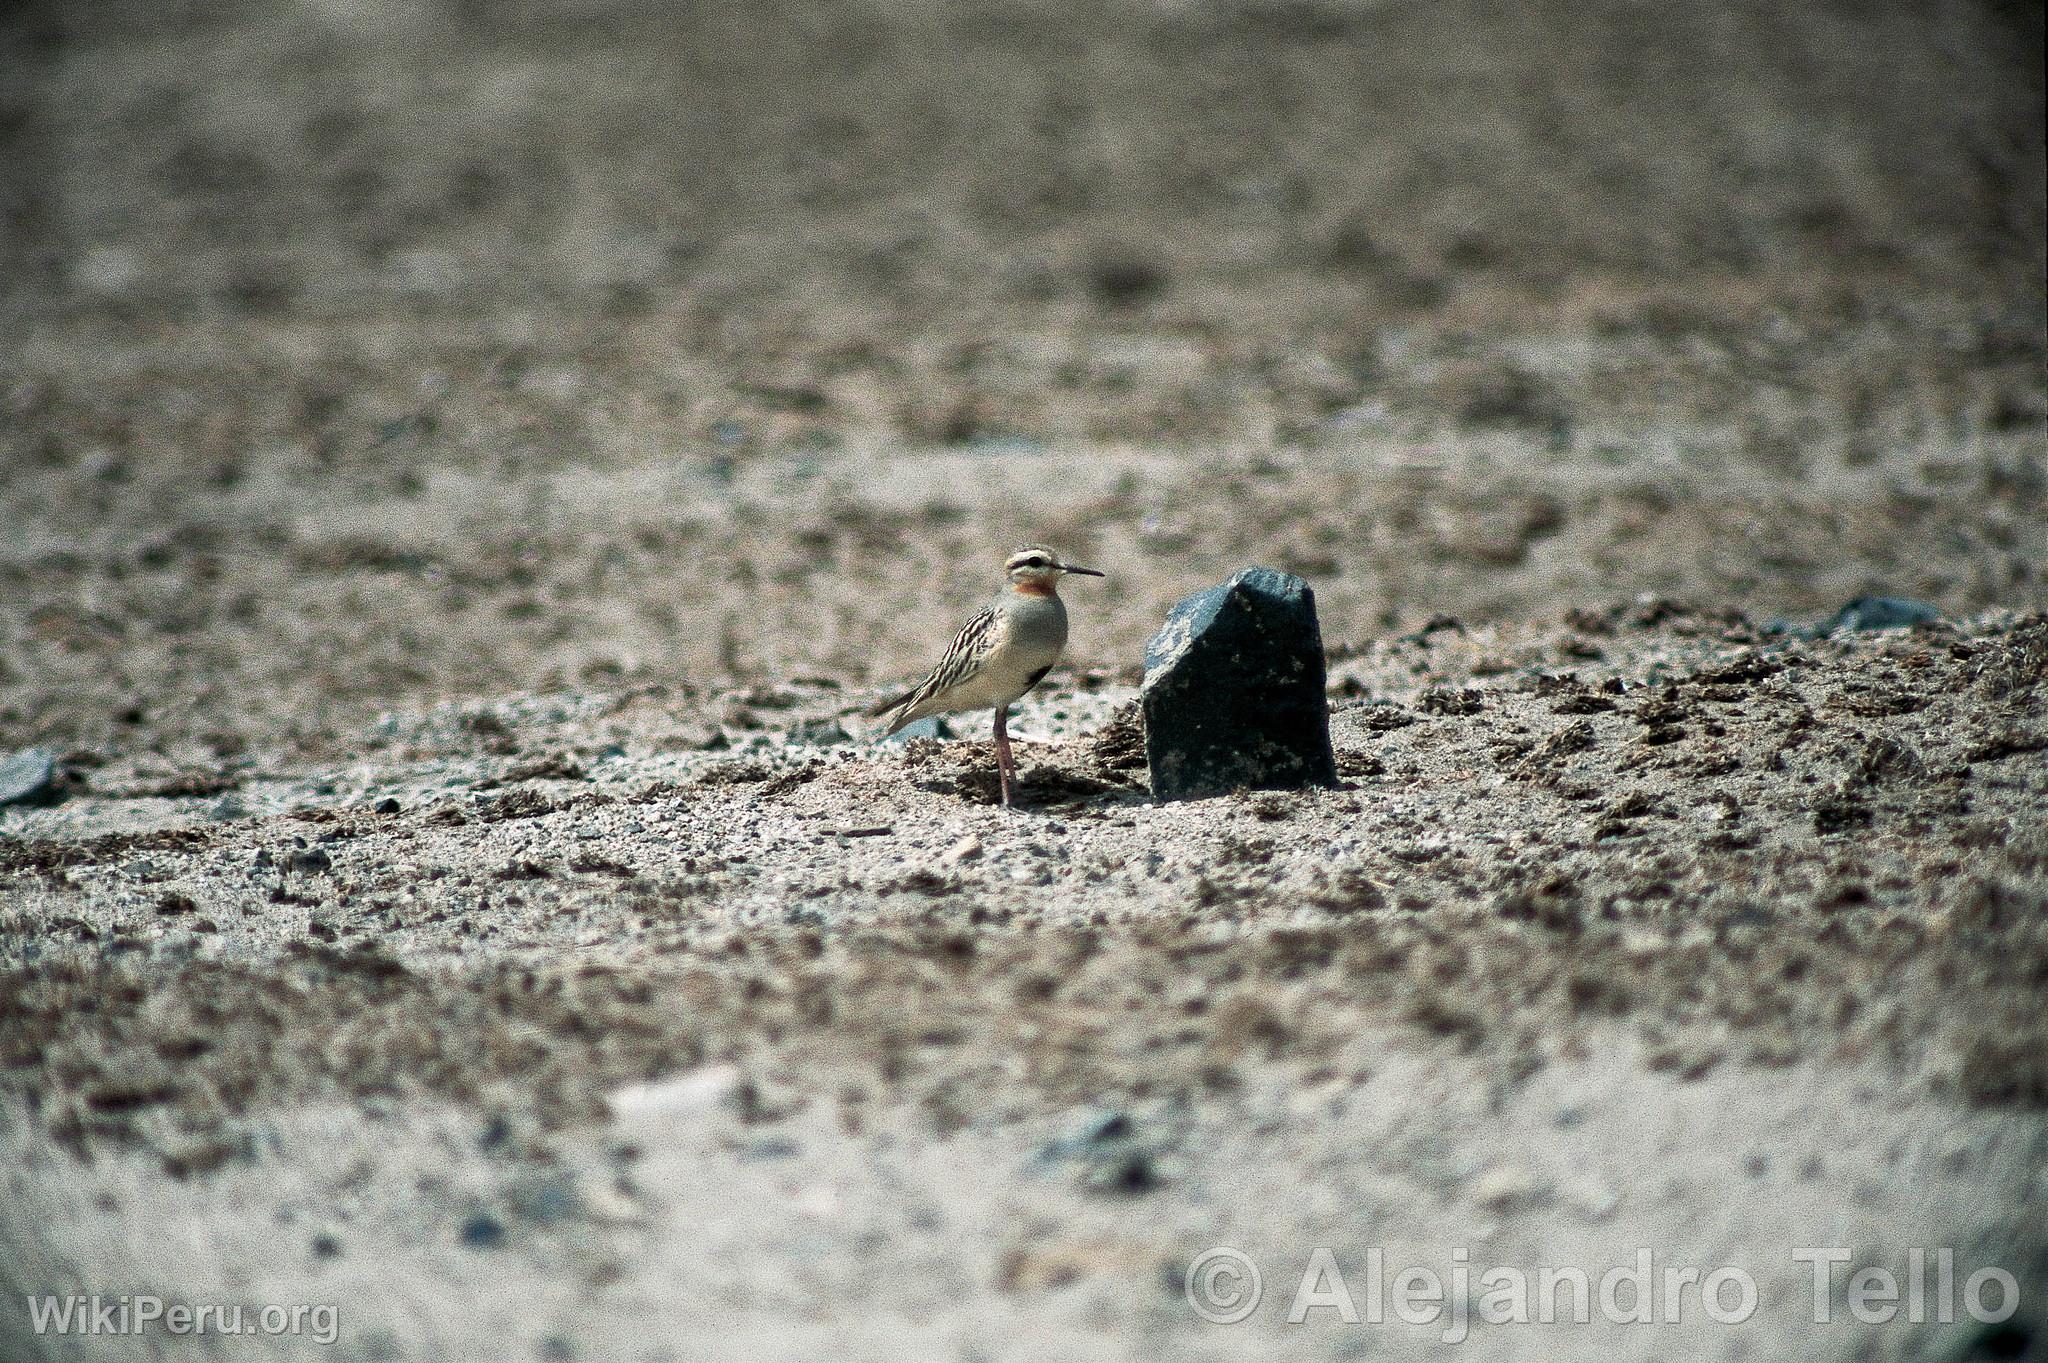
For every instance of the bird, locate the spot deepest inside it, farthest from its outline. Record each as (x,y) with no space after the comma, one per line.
(997,656)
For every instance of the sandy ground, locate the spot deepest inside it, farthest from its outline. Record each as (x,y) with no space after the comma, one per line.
(467,469)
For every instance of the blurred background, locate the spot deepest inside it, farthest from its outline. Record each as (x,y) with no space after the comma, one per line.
(357,354)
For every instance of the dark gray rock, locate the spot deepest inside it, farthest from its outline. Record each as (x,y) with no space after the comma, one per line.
(1233,692)
(310,861)
(1109,1154)
(1097,1131)
(29,777)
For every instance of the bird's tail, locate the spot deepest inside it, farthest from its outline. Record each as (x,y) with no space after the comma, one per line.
(899,702)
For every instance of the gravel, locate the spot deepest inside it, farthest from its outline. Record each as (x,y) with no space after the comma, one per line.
(463,480)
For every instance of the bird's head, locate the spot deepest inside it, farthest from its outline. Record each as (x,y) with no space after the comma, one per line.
(1036,570)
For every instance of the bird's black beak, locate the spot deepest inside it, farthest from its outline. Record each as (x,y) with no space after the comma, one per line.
(1085,572)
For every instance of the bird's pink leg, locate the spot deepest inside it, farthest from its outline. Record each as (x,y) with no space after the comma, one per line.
(1004,766)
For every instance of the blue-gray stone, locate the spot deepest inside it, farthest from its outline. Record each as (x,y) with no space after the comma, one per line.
(931,726)
(1233,693)
(1880,612)
(29,777)
(483,1231)
(546,1198)
(1863,613)
(819,733)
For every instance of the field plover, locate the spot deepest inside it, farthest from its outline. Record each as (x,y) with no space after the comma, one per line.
(998,655)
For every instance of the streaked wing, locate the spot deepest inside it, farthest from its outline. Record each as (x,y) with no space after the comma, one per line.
(965,655)
(963,658)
